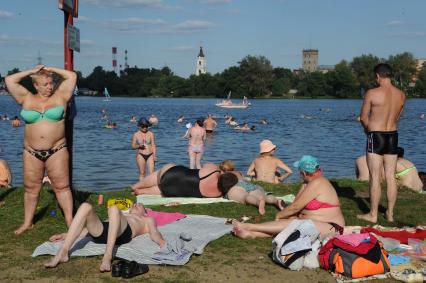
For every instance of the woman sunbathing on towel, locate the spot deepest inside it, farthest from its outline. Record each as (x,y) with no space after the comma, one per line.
(316,200)
(180,181)
(247,193)
(120,229)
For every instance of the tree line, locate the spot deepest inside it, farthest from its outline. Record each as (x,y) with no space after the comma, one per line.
(255,77)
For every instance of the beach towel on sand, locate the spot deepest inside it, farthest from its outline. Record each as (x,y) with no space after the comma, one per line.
(198,229)
(159,200)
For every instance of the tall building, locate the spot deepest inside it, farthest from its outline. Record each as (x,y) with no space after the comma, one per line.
(201,63)
(310,60)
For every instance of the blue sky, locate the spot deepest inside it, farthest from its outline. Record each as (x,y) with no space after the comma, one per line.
(160,33)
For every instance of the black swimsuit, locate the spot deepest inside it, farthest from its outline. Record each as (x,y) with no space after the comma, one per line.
(180,181)
(382,142)
(124,238)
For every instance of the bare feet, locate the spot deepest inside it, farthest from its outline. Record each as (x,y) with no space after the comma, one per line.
(389,216)
(60,257)
(105,265)
(367,217)
(240,232)
(23,228)
(262,206)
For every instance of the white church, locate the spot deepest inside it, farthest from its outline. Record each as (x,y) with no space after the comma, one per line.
(201,63)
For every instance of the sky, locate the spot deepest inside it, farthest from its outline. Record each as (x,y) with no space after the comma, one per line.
(160,33)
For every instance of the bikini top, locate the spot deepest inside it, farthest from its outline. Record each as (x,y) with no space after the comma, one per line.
(316,204)
(404,172)
(54,114)
(144,141)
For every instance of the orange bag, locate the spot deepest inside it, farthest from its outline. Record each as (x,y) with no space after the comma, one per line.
(356,266)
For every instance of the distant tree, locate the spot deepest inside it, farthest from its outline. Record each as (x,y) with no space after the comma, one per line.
(363,69)
(420,87)
(312,85)
(231,80)
(404,67)
(257,75)
(97,79)
(342,81)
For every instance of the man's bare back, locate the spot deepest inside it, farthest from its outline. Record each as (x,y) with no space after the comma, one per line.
(210,124)
(384,109)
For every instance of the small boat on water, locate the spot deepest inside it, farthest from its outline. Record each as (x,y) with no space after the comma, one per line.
(227,103)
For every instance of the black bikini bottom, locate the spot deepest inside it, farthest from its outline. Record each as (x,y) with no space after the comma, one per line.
(43,155)
(146,156)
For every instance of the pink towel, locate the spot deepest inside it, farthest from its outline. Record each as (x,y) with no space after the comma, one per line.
(163,218)
(354,239)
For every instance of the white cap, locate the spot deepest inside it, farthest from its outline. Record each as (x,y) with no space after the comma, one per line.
(188,126)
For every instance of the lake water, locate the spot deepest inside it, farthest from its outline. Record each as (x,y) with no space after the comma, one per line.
(104,160)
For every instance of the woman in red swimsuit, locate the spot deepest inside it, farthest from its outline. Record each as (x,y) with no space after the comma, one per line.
(316,200)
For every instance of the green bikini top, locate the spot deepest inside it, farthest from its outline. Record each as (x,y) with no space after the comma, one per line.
(54,114)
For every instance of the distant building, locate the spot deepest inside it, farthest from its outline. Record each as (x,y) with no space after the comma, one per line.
(310,60)
(201,63)
(420,64)
(325,68)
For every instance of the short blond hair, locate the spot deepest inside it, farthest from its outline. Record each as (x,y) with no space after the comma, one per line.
(41,73)
(227,165)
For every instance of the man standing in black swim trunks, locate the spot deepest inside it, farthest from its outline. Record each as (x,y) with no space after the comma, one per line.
(120,229)
(380,113)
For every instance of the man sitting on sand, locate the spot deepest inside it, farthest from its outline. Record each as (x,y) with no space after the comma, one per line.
(120,229)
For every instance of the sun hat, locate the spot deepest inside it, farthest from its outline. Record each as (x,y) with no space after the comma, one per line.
(266,146)
(307,163)
(188,125)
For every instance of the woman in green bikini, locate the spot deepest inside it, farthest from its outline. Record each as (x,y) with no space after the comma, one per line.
(406,173)
(44,136)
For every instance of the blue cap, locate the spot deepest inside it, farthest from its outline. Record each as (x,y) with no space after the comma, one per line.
(307,163)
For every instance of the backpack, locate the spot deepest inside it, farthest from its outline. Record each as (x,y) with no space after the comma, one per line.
(366,258)
(297,245)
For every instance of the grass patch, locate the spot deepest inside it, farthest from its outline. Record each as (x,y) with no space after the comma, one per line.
(228,259)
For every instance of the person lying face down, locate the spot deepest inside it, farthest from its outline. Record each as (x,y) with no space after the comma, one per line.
(180,181)
(316,200)
(119,229)
(246,193)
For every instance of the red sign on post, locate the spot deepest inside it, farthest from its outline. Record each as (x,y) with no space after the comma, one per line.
(70,6)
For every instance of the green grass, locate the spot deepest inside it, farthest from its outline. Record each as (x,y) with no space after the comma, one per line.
(227,259)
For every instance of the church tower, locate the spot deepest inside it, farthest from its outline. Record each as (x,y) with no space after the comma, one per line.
(201,63)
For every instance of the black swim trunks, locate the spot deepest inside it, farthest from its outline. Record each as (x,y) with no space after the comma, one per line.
(124,238)
(382,142)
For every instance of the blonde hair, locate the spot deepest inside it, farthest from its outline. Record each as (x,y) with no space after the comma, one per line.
(41,73)
(227,165)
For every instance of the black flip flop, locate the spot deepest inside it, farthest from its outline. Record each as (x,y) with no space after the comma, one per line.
(132,269)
